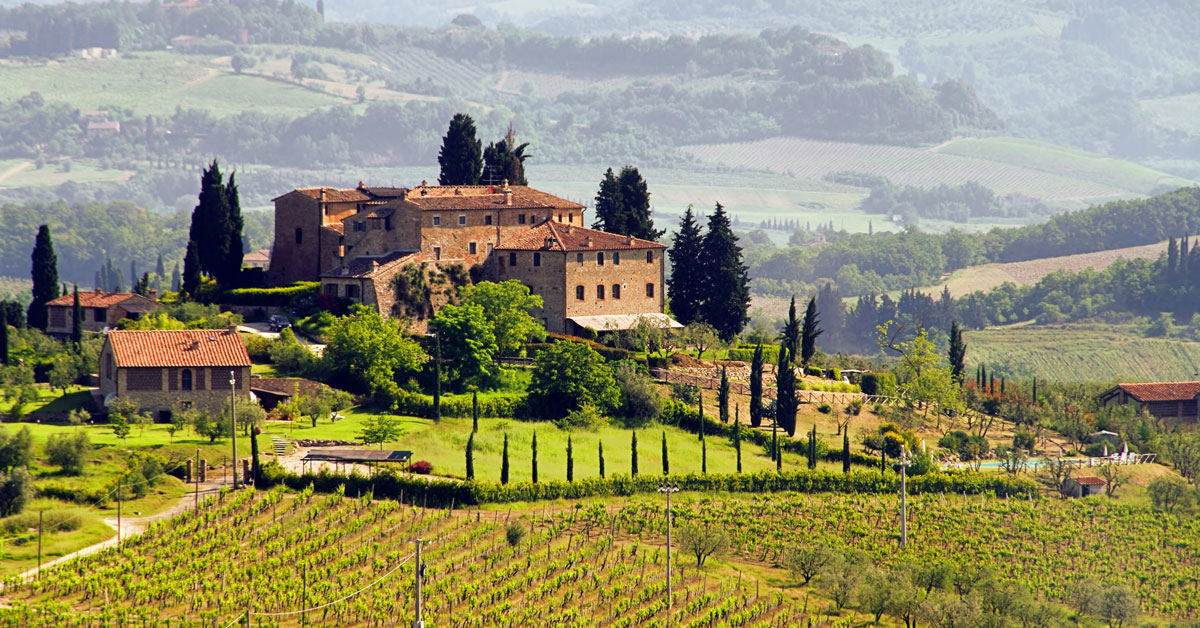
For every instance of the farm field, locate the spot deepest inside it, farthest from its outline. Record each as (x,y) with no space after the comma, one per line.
(988,276)
(21,173)
(1082,351)
(1007,165)
(1177,112)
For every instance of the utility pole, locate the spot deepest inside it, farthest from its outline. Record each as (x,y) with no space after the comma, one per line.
(118,513)
(39,571)
(233,421)
(420,573)
(904,462)
(668,489)
(196,480)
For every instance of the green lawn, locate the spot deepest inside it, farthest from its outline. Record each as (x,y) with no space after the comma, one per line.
(19,549)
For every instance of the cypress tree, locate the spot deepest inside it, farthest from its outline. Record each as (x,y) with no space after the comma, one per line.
(45,279)
(1001,384)
(176,278)
(601,443)
(570,460)
(723,397)
(210,221)
(633,466)
(1172,260)
(160,273)
(504,462)
(809,332)
(4,335)
(785,396)
(191,269)
(533,468)
(461,156)
(737,438)
(76,320)
(1035,398)
(255,467)
(756,387)
(846,452)
(666,463)
(623,205)
(958,353)
(133,275)
(471,456)
(726,283)
(791,330)
(812,448)
(700,415)
(231,263)
(1184,268)
(686,282)
(475,413)
(703,456)
(992,383)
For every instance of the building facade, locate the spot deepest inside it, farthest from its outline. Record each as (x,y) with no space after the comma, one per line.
(1173,401)
(169,370)
(100,310)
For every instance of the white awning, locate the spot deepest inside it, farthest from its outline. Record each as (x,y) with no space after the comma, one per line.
(620,322)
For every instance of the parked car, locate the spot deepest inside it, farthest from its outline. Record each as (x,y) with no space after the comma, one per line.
(279,322)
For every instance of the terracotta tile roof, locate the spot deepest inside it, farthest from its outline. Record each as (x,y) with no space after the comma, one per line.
(261,255)
(286,386)
(449,197)
(335,227)
(1161,391)
(1089,480)
(133,302)
(185,347)
(555,236)
(334,195)
(367,265)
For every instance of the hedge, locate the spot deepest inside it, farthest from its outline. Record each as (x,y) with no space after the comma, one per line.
(882,384)
(96,496)
(610,354)
(268,297)
(438,493)
(459,406)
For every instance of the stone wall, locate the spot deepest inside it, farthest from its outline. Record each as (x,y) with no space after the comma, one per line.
(293,261)
(631,275)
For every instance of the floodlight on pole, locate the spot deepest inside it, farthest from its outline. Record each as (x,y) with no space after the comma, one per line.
(668,488)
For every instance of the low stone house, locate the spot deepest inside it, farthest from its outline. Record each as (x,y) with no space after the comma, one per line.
(1173,401)
(101,310)
(1085,485)
(166,370)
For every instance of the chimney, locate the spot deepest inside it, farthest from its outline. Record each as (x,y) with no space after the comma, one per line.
(588,242)
(232,329)
(322,195)
(507,193)
(628,239)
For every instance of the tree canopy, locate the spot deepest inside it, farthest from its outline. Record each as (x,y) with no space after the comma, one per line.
(726,285)
(507,308)
(568,376)
(366,353)
(45,278)
(461,155)
(623,205)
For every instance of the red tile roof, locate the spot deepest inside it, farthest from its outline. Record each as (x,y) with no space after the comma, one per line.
(450,197)
(555,236)
(1089,480)
(1161,391)
(334,195)
(186,347)
(106,300)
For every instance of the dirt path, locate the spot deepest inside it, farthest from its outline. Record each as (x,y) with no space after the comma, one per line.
(14,170)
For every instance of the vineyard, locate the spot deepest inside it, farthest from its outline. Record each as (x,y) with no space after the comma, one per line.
(1070,352)
(1003,164)
(272,554)
(416,63)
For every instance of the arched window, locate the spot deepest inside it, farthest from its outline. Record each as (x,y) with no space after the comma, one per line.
(185,379)
(616,290)
(600,291)
(299,235)
(579,293)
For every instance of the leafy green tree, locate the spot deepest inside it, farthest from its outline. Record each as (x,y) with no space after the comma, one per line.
(119,424)
(507,308)
(809,332)
(726,283)
(568,376)
(468,345)
(45,279)
(806,561)
(786,402)
(191,269)
(366,353)
(16,451)
(756,387)
(623,205)
(63,372)
(958,355)
(702,337)
(505,161)
(461,155)
(703,541)
(68,451)
(686,281)
(380,428)
(640,399)
(16,489)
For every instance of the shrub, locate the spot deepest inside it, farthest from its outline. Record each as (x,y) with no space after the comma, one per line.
(741,355)
(269,297)
(68,451)
(686,393)
(258,347)
(824,408)
(585,416)
(640,401)
(1024,440)
(881,384)
(514,533)
(421,467)
(16,488)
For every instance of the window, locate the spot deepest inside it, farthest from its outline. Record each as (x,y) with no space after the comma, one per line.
(570,218)
(108,366)
(387,223)
(616,258)
(520,219)
(649,257)
(578,293)
(600,291)
(352,292)
(537,259)
(185,379)
(487,220)
(512,259)
(98,315)
(579,258)
(560,217)
(437,220)
(471,248)
(616,290)
(299,235)
(331,289)
(600,258)
(437,252)
(462,220)
(650,290)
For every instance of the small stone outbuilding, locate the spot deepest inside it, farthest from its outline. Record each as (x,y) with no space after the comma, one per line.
(1085,485)
(100,310)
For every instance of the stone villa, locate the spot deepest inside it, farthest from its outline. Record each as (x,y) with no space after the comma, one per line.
(356,241)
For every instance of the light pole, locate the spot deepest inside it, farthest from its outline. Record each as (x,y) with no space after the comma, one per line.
(437,375)
(233,422)
(420,574)
(904,462)
(668,489)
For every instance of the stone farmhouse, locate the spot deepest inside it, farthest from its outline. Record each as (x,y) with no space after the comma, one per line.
(1172,401)
(101,310)
(356,242)
(166,370)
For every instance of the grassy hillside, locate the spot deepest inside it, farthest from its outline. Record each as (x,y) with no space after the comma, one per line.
(1082,351)
(1053,174)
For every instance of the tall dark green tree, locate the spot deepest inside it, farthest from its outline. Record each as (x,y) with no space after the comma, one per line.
(505,161)
(791,330)
(812,448)
(846,452)
(737,439)
(958,352)
(45,279)
(176,278)
(786,402)
(686,282)
(191,269)
(504,462)
(726,282)
(623,205)
(756,387)
(160,273)
(475,413)
(461,155)
(471,456)
(4,336)
(723,397)
(76,320)
(633,461)
(666,464)
(533,451)
(570,460)
(601,447)
(809,332)
(217,227)
(231,265)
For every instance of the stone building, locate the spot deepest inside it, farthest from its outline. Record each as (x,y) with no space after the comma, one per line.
(165,370)
(101,310)
(1170,401)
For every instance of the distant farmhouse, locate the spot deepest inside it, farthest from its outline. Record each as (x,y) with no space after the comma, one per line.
(1174,401)
(357,241)
(100,310)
